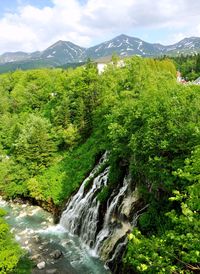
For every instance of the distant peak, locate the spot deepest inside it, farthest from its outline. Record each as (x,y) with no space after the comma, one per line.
(60,42)
(123,36)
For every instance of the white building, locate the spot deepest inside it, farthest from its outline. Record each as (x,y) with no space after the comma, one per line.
(102,66)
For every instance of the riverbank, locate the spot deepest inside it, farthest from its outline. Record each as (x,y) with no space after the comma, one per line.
(35,231)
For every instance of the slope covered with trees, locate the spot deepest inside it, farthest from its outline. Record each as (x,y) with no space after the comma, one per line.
(189,66)
(54,124)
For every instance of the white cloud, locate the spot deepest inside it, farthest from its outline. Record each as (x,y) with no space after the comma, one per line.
(32,28)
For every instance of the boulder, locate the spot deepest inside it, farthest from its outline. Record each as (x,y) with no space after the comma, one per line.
(35,257)
(41,265)
(56,254)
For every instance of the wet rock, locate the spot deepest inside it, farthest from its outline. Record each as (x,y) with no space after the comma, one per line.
(24,205)
(36,239)
(41,265)
(129,202)
(35,257)
(56,254)
(19,201)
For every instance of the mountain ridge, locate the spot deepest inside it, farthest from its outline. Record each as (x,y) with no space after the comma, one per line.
(63,52)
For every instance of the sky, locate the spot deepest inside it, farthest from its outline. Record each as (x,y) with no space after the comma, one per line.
(30,25)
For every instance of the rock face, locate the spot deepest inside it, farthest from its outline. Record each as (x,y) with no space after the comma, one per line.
(122,219)
(41,265)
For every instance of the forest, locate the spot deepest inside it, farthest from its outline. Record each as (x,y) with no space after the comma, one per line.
(188,65)
(54,123)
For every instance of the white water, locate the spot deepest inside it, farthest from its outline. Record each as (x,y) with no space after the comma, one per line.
(104,233)
(83,207)
(117,251)
(81,216)
(82,212)
(34,230)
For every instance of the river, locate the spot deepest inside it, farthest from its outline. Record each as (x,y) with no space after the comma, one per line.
(33,228)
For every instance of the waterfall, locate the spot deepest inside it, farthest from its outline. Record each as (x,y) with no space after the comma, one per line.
(81,214)
(104,233)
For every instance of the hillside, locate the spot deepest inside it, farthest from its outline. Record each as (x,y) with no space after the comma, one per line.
(122,147)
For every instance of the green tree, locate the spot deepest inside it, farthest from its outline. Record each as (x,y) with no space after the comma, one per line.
(10,251)
(198,63)
(177,250)
(34,147)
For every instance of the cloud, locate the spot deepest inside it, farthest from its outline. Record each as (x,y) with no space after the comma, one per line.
(87,22)
(143,13)
(31,28)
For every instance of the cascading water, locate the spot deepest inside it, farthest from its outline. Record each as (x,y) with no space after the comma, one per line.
(104,237)
(81,215)
(104,233)
(82,212)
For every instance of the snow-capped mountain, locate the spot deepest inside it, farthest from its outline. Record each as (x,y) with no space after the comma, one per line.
(18,56)
(124,45)
(63,52)
(14,56)
(186,46)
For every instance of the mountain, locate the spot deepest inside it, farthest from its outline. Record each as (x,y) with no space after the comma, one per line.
(60,53)
(18,56)
(65,52)
(186,46)
(14,56)
(124,45)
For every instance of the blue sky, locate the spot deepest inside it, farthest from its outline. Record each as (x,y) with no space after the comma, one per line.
(12,5)
(30,25)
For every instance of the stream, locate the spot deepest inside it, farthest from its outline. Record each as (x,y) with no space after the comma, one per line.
(33,228)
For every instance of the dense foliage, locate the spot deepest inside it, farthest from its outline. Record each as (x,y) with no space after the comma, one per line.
(10,252)
(189,66)
(44,115)
(54,124)
(176,250)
